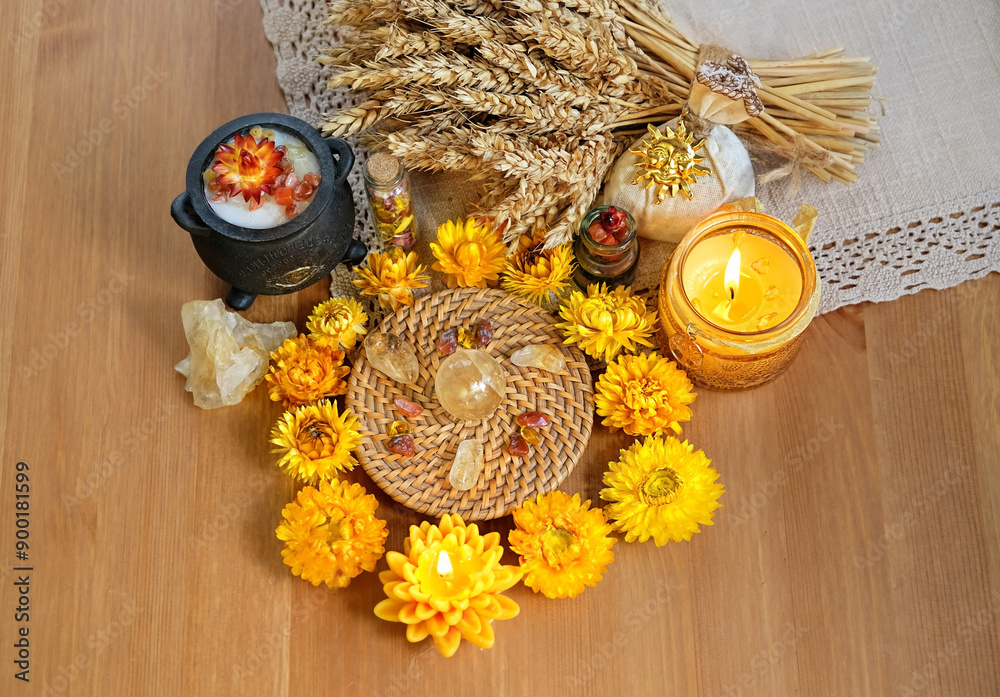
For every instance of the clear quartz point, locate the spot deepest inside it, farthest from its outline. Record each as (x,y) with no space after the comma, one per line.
(468,464)
(542,356)
(470,385)
(391,355)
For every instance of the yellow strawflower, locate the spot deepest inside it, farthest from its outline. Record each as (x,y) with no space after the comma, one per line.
(337,321)
(564,544)
(468,254)
(304,372)
(393,277)
(603,322)
(535,273)
(316,442)
(661,488)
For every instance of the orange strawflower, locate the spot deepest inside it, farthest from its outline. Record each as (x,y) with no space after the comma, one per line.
(644,395)
(305,371)
(331,533)
(248,166)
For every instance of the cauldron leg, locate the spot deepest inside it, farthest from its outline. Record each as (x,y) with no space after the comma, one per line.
(240,299)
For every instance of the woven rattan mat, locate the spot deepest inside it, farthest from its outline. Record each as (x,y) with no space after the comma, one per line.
(421,481)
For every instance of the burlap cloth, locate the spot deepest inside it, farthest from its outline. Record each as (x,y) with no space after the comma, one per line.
(926,211)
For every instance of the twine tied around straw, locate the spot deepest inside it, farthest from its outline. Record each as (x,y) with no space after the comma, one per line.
(739,84)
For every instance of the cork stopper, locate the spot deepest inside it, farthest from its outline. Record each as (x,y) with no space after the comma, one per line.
(383,167)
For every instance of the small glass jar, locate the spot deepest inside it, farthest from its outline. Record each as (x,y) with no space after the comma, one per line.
(719,358)
(388,190)
(605,263)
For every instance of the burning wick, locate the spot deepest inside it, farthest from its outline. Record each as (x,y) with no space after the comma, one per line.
(732,276)
(444,567)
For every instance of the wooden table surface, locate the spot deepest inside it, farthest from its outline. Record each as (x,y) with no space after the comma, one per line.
(857,552)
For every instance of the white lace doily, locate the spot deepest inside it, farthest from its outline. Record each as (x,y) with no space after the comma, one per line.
(926,211)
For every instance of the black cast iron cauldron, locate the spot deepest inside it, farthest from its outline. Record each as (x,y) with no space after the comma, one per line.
(282,259)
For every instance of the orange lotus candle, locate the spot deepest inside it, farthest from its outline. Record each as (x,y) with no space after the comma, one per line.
(448,585)
(736,295)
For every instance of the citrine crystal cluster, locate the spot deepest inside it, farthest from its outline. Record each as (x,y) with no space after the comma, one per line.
(229,354)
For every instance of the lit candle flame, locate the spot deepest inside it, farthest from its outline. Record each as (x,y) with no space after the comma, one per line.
(444,567)
(733,274)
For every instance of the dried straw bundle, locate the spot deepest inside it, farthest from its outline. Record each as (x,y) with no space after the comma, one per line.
(538,97)
(818,112)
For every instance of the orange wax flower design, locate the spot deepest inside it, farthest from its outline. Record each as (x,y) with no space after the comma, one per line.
(248,166)
(306,371)
(448,584)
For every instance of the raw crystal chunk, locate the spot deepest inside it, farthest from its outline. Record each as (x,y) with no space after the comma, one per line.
(448,342)
(484,333)
(518,446)
(468,464)
(402,445)
(535,419)
(408,408)
(531,435)
(466,338)
(542,356)
(470,385)
(761,266)
(229,354)
(399,428)
(391,355)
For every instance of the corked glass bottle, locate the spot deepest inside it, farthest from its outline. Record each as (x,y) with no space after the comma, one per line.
(388,190)
(612,262)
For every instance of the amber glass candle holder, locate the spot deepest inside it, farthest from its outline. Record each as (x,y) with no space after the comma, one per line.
(719,358)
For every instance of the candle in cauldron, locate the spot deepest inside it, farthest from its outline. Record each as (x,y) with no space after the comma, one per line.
(735,297)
